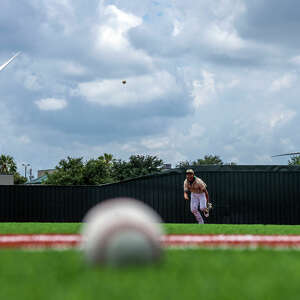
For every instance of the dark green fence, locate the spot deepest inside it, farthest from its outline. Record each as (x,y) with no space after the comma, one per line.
(240,195)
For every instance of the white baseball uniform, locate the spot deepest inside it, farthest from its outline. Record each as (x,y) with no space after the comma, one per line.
(198,197)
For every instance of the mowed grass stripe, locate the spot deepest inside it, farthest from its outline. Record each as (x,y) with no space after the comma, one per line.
(71,228)
(190,274)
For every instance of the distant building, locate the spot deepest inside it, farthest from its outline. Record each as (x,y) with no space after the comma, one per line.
(6,179)
(167,167)
(43,172)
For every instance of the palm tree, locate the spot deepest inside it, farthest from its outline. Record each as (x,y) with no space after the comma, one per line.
(7,164)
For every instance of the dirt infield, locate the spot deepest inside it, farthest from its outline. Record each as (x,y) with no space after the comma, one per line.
(175,240)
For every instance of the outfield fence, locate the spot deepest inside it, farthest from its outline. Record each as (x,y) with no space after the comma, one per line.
(240,195)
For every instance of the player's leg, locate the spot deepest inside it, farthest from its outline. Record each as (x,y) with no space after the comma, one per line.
(203,205)
(194,208)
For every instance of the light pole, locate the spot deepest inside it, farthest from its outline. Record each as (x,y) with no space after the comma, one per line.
(25,166)
(30,174)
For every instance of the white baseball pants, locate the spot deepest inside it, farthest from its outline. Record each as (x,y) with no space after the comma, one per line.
(198,200)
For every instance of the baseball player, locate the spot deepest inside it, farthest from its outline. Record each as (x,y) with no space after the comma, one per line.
(199,195)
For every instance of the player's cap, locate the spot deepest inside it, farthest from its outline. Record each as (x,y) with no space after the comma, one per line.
(189,171)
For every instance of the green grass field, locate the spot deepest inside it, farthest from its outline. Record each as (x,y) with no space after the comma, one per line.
(182,274)
(6,228)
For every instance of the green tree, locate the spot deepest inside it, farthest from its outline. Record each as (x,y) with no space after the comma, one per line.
(120,170)
(98,171)
(104,169)
(68,172)
(138,165)
(294,161)
(19,179)
(7,165)
(207,160)
(73,171)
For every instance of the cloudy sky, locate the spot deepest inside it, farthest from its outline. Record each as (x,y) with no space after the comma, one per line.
(216,77)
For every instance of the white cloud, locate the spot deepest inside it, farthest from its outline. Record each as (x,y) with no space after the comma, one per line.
(263,158)
(222,31)
(217,36)
(111,44)
(30,80)
(228,148)
(233,83)
(295,60)
(288,144)
(267,121)
(85,51)
(203,91)
(196,130)
(230,84)
(211,25)
(174,145)
(155,143)
(228,9)
(281,118)
(141,89)
(177,27)
(51,104)
(284,82)
(24,139)
(60,12)
(72,68)
(128,147)
(112,33)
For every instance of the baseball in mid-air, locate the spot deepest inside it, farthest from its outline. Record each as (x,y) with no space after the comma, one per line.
(121,231)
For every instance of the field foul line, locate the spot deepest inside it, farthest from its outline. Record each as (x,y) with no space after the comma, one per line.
(172,241)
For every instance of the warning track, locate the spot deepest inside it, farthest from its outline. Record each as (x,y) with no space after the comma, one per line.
(67,241)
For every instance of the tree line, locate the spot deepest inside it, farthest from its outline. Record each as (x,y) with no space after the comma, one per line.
(104,169)
(107,169)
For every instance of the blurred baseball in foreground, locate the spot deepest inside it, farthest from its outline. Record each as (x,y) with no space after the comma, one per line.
(121,231)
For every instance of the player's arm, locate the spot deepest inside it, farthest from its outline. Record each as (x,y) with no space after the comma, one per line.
(186,195)
(204,190)
(185,191)
(206,195)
